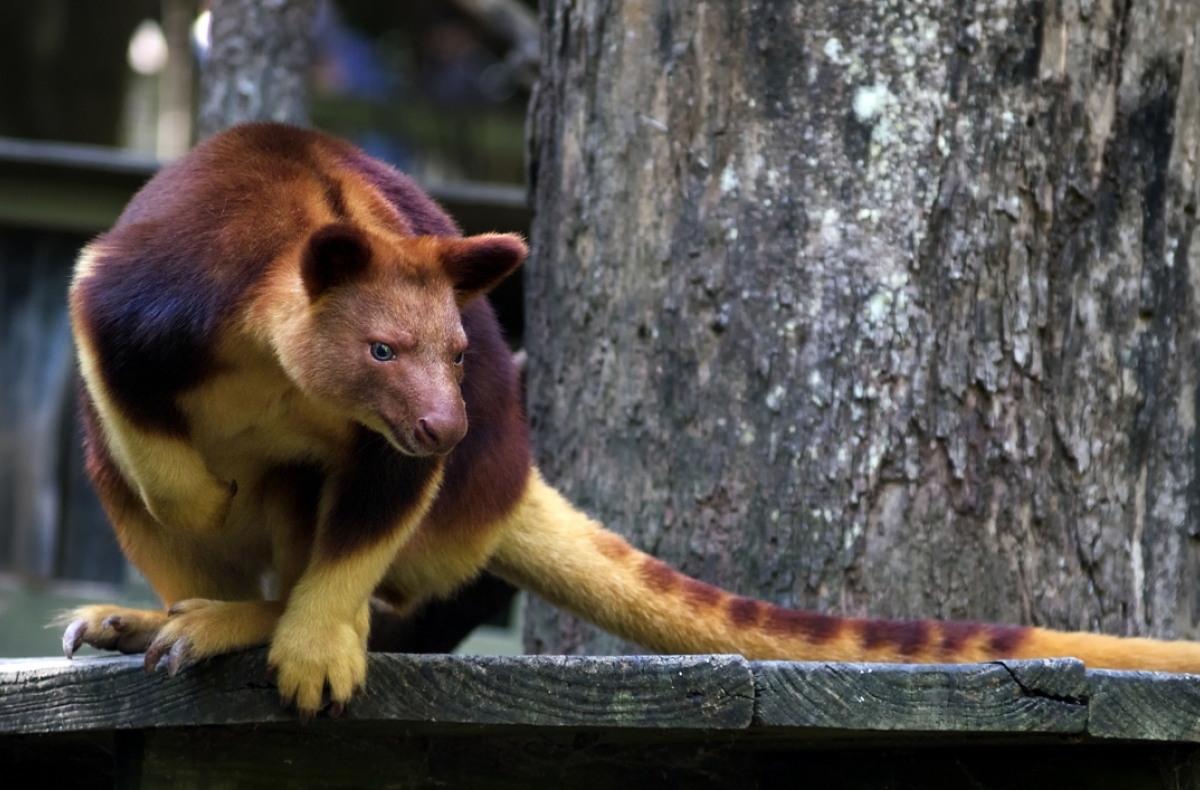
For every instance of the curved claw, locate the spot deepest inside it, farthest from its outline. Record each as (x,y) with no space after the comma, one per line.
(73,637)
(177,658)
(176,652)
(154,654)
(336,710)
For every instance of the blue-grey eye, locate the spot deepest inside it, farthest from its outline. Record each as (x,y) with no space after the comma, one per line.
(458,358)
(382,352)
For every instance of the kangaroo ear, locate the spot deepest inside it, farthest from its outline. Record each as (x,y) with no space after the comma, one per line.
(335,254)
(477,264)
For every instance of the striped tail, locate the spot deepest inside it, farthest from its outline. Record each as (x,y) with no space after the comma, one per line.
(553,550)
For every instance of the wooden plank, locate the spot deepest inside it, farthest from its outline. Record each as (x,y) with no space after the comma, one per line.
(65,186)
(665,692)
(62,202)
(1011,696)
(77,156)
(54,695)
(656,692)
(435,721)
(1150,706)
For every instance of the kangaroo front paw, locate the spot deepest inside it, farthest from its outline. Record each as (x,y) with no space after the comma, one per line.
(305,660)
(197,629)
(110,628)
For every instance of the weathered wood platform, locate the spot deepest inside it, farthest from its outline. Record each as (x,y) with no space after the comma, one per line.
(700,721)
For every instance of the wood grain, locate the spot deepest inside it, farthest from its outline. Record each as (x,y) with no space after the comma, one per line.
(54,695)
(1013,696)
(668,692)
(634,693)
(1144,705)
(694,721)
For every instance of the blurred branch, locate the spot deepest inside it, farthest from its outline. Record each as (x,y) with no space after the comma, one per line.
(512,23)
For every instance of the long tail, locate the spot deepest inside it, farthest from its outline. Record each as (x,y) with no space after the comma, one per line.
(560,554)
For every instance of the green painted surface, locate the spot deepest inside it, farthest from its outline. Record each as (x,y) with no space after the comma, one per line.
(26,615)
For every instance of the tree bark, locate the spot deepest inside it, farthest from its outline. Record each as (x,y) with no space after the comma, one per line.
(257,69)
(870,308)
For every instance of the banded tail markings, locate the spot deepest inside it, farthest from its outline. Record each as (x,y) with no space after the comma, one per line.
(907,638)
(745,612)
(659,577)
(815,627)
(957,635)
(701,597)
(555,551)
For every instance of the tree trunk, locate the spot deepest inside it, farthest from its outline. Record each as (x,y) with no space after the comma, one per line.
(869,308)
(257,69)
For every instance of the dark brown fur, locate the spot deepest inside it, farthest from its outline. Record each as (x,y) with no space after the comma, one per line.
(908,637)
(745,612)
(816,628)
(700,595)
(659,576)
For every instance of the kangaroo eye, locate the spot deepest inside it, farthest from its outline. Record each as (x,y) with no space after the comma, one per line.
(382,352)
(458,358)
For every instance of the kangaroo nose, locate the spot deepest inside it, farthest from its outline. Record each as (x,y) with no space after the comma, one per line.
(438,433)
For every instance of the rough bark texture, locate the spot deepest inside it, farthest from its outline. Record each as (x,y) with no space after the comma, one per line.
(883,308)
(258,66)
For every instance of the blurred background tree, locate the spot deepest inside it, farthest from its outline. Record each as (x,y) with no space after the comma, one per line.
(439,87)
(63,67)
